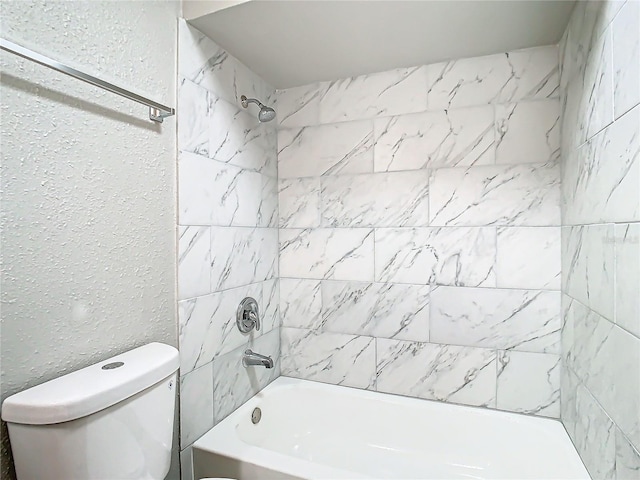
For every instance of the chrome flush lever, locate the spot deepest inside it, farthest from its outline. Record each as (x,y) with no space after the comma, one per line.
(247,315)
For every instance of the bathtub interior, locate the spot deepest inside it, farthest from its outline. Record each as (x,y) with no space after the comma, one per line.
(313,430)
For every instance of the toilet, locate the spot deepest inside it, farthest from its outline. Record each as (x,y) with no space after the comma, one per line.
(111,420)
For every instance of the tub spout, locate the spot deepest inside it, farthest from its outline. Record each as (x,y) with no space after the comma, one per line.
(252,358)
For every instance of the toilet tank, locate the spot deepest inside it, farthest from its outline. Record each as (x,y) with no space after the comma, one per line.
(112,420)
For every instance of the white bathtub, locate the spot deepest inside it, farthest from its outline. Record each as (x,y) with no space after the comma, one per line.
(311,430)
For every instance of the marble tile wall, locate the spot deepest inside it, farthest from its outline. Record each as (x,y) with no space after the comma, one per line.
(600,155)
(228,233)
(419,231)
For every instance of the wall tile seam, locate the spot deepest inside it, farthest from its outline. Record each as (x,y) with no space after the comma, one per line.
(600,33)
(251,284)
(432,226)
(244,111)
(601,131)
(320,331)
(600,224)
(193,224)
(599,405)
(612,322)
(222,163)
(430,170)
(555,96)
(430,284)
(496,352)
(519,50)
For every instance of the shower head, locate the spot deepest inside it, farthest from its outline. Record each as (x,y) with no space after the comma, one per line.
(266,114)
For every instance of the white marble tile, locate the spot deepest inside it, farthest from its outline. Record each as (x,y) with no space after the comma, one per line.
(458,137)
(627,459)
(268,207)
(507,77)
(528,257)
(196,175)
(495,195)
(242,255)
(299,202)
(214,193)
(588,266)
(528,132)
(329,357)
(270,306)
(234,384)
(236,137)
(594,436)
(196,404)
(598,81)
(194,258)
(529,383)
(627,277)
(572,134)
(607,360)
(379,94)
(568,388)
(193,115)
(324,253)
(437,372)
(463,256)
(298,106)
(376,309)
(600,182)
(207,325)
(300,303)
(269,164)
(534,73)
(384,199)
(523,320)
(206,64)
(589,20)
(626,55)
(570,308)
(325,150)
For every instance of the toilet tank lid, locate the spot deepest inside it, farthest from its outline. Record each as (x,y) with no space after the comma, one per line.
(93,388)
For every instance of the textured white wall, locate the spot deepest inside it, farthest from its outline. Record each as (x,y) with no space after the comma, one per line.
(88,189)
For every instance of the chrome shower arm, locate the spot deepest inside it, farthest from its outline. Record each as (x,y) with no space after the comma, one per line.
(246,101)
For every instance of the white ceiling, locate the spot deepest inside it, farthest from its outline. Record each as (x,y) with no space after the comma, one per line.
(292,43)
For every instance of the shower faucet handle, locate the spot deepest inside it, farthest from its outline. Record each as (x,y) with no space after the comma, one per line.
(247,315)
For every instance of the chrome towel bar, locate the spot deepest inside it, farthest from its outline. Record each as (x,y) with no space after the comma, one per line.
(157,111)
